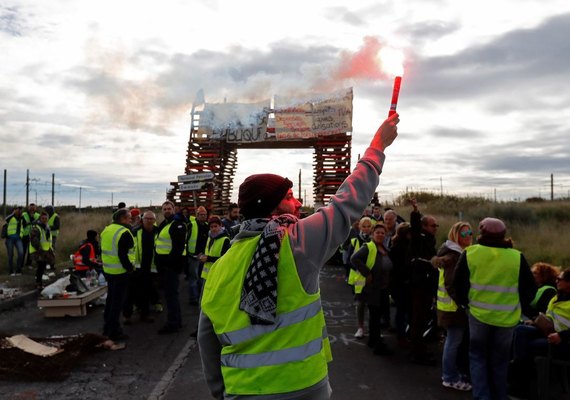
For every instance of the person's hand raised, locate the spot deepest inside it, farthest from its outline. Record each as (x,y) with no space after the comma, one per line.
(387,132)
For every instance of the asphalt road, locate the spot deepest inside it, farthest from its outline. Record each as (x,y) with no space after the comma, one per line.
(168,366)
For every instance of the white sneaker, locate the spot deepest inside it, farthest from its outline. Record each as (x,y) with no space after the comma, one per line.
(459,385)
(359,333)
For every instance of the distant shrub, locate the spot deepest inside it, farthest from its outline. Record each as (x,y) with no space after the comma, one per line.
(534,200)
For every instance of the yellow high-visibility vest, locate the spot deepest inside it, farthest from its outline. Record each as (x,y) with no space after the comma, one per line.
(290,354)
(494,279)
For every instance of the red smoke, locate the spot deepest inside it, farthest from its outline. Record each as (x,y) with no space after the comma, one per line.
(364,63)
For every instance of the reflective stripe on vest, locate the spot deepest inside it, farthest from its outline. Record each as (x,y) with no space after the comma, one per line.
(138,252)
(193,237)
(352,275)
(110,249)
(28,219)
(13,226)
(494,277)
(78,258)
(559,313)
(163,243)
(295,349)
(45,243)
(215,251)
(539,294)
(359,279)
(444,301)
(282,321)
(51,221)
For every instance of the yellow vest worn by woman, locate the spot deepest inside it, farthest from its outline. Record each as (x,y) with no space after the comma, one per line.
(289,355)
(215,250)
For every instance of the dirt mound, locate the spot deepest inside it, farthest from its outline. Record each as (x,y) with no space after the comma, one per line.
(18,364)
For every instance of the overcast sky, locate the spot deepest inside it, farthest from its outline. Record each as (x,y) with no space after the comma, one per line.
(100,93)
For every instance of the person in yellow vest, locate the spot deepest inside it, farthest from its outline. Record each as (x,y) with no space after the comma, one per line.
(217,245)
(86,258)
(534,337)
(354,277)
(454,368)
(54,224)
(170,257)
(14,241)
(40,248)
(29,216)
(494,282)
(195,247)
(375,267)
(141,289)
(545,276)
(118,256)
(262,329)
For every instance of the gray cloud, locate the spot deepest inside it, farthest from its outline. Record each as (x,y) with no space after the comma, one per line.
(429,30)
(345,15)
(513,63)
(11,21)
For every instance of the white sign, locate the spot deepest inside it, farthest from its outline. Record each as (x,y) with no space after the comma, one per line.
(199,176)
(234,122)
(191,186)
(317,115)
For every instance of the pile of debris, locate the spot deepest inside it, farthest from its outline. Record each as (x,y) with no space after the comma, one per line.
(46,359)
(8,293)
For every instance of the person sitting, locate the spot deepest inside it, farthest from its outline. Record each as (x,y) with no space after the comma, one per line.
(532,338)
(545,278)
(86,258)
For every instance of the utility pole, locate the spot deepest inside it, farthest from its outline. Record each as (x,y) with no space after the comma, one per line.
(300,183)
(80,188)
(112,201)
(441,185)
(4,200)
(27,187)
(53,190)
(495,190)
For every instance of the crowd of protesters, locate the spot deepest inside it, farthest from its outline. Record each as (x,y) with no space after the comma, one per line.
(481,296)
(30,237)
(495,313)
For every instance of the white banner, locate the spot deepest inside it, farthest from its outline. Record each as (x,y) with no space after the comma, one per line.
(316,115)
(235,122)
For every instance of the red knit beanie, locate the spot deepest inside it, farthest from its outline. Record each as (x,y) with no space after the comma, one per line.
(260,194)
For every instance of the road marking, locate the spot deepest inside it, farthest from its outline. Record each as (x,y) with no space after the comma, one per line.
(167,379)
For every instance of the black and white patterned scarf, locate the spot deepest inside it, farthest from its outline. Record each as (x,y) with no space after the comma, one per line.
(259,292)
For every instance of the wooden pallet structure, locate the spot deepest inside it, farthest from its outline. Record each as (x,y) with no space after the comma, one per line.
(205,155)
(331,165)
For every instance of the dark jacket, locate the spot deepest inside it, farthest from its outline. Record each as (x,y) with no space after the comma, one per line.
(175,260)
(448,257)
(380,274)
(422,249)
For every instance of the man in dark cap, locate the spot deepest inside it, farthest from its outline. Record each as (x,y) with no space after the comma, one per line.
(494,282)
(262,330)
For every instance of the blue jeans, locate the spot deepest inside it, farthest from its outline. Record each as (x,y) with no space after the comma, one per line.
(11,242)
(193,279)
(489,354)
(450,371)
